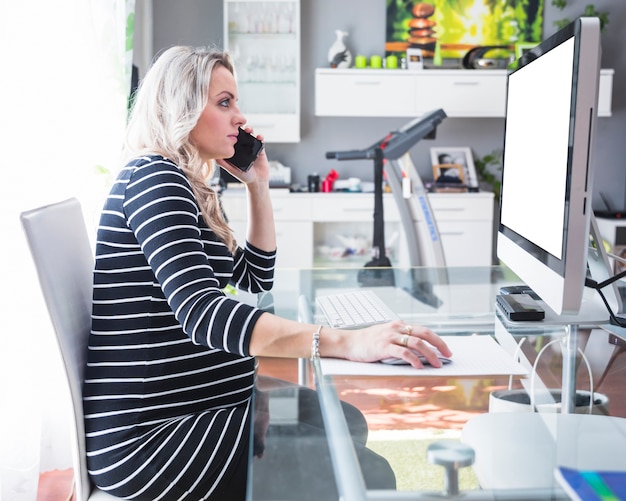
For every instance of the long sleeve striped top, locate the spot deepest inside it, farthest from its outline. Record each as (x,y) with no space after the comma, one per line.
(169,377)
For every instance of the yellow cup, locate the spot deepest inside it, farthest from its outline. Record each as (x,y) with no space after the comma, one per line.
(360,61)
(391,62)
(376,62)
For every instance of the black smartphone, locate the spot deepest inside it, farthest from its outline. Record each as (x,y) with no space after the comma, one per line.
(247,148)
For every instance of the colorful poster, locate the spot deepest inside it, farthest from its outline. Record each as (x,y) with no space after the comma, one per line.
(453,27)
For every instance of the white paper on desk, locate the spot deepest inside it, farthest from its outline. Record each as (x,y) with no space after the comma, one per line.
(476,355)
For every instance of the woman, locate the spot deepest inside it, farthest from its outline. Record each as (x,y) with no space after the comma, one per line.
(171,364)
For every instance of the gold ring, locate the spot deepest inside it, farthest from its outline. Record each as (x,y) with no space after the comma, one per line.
(404,340)
(409,329)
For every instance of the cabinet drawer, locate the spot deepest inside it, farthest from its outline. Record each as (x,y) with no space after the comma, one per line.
(473,207)
(465,95)
(466,243)
(235,207)
(332,207)
(294,243)
(366,93)
(285,207)
(291,208)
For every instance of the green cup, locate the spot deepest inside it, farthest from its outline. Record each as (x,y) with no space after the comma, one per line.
(391,62)
(360,61)
(376,62)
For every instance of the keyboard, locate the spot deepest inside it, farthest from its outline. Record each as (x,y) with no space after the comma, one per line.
(354,309)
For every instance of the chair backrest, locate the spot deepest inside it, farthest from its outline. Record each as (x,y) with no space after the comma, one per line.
(60,247)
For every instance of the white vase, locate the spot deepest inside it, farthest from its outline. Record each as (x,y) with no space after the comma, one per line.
(338,55)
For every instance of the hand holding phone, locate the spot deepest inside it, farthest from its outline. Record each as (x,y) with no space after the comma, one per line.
(247,148)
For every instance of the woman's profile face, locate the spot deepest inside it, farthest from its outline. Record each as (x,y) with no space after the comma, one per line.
(215,133)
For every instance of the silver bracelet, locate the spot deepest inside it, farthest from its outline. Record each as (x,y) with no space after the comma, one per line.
(315,345)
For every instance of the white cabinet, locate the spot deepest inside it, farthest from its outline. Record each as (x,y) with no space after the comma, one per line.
(405,93)
(461,93)
(264,39)
(292,217)
(465,224)
(308,224)
(351,94)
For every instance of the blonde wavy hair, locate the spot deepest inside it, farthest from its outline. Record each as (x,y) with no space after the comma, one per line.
(166,108)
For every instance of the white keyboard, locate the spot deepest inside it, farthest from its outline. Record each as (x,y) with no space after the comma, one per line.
(354,309)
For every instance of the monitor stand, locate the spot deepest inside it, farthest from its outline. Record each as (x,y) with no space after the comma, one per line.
(593,310)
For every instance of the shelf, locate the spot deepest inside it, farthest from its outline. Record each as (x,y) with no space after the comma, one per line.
(409,93)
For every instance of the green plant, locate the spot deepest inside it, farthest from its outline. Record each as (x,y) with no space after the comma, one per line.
(489,169)
(590,11)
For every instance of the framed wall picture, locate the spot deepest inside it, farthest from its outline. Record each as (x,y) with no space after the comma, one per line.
(462,156)
(453,27)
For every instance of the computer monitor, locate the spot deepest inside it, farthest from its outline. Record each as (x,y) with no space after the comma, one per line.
(545,206)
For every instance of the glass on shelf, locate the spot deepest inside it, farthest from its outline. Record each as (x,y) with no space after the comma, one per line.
(265,68)
(261,18)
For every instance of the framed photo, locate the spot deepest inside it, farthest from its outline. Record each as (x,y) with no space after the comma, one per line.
(455,155)
(449,173)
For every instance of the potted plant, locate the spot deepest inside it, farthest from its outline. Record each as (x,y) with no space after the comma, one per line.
(590,11)
(489,171)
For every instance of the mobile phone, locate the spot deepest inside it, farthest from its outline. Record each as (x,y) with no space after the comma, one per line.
(247,148)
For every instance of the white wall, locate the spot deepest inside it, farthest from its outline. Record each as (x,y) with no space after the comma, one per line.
(199,22)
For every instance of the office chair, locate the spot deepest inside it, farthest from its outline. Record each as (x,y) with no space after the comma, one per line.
(63,258)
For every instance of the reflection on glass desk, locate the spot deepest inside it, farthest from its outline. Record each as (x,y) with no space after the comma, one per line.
(515,449)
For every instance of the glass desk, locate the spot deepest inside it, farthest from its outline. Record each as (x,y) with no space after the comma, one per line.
(441,434)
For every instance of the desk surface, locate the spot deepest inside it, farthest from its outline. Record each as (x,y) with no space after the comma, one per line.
(406,413)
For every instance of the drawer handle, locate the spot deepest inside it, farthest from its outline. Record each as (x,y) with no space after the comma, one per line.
(452,233)
(466,83)
(449,209)
(367,82)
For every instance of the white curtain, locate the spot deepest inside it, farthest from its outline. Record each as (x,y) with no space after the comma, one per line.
(65,73)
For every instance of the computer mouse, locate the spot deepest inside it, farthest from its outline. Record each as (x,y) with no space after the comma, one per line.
(401,361)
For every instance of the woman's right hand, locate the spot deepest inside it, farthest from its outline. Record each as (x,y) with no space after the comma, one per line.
(396,339)
(260,170)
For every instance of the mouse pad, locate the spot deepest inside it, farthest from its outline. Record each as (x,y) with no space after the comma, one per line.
(475,355)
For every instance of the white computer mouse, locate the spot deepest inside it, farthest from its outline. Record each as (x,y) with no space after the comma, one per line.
(424,360)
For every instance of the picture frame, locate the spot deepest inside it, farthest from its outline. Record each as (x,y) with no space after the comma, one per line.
(447,28)
(453,171)
(445,155)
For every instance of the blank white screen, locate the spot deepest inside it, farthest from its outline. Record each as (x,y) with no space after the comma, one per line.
(536,148)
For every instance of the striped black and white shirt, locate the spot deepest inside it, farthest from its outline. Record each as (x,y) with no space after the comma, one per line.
(169,378)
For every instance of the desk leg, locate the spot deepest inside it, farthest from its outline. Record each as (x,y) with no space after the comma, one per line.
(570,351)
(303,371)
